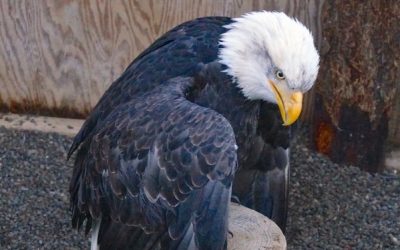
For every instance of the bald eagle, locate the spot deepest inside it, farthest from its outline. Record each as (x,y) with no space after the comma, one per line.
(200,117)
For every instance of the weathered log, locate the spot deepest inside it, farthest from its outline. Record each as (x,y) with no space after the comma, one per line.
(357,81)
(252,230)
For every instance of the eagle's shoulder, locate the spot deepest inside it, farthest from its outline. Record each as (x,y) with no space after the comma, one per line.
(177,53)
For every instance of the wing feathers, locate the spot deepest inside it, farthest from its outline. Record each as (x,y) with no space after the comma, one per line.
(135,176)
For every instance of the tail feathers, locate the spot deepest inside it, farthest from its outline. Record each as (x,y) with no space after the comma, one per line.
(205,227)
(113,235)
(266,190)
(85,130)
(187,240)
(270,196)
(211,223)
(117,236)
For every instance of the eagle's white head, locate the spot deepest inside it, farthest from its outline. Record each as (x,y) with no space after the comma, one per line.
(271,57)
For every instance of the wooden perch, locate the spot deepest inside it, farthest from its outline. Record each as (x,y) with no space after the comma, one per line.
(249,229)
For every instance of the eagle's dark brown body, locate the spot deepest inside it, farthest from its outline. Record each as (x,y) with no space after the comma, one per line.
(161,152)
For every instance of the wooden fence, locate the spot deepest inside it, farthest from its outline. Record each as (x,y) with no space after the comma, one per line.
(58,57)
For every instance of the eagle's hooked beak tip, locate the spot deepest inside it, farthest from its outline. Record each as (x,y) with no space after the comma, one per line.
(289,103)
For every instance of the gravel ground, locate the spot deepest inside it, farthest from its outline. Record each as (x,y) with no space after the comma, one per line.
(331,206)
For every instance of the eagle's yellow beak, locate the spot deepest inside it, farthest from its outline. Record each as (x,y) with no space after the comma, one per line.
(289,103)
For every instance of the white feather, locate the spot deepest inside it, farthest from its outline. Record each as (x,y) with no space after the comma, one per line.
(95,234)
(258,43)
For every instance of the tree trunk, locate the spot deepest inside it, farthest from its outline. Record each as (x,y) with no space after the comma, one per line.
(357,81)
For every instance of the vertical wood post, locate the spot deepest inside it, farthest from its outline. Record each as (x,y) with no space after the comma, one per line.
(357,82)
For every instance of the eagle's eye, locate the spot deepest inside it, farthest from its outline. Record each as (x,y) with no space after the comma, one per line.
(279,74)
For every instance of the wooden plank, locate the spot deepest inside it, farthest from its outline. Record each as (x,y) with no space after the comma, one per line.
(58,57)
(45,124)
